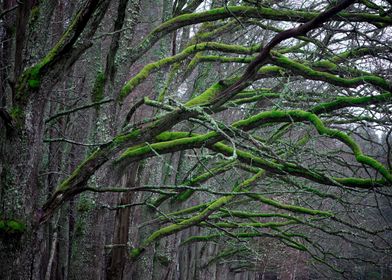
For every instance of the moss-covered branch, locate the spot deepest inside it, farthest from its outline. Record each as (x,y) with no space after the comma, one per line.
(184,195)
(345,101)
(32,77)
(76,182)
(299,115)
(310,73)
(152,67)
(212,207)
(179,141)
(244,12)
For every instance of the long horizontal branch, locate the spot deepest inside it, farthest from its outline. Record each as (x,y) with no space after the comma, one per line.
(211,139)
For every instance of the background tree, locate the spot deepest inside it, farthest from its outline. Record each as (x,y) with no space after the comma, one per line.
(195,139)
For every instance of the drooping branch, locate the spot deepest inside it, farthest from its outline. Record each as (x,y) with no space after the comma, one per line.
(216,205)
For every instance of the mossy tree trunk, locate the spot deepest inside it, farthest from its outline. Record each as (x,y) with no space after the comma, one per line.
(24,250)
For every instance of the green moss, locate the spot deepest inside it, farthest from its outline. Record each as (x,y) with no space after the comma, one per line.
(16,226)
(271,69)
(344,101)
(169,135)
(291,208)
(353,53)
(66,183)
(254,121)
(34,84)
(243,214)
(264,13)
(209,94)
(31,78)
(298,115)
(126,137)
(135,253)
(361,183)
(97,93)
(139,150)
(16,112)
(196,180)
(11,229)
(325,64)
(253,98)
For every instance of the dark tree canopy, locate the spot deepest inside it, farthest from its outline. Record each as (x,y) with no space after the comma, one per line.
(191,139)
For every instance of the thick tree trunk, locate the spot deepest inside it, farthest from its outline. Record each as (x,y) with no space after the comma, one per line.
(19,193)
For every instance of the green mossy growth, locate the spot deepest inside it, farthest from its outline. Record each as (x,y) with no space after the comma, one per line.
(154,66)
(34,84)
(11,229)
(325,64)
(66,184)
(29,81)
(31,78)
(210,93)
(16,113)
(97,93)
(126,137)
(34,75)
(135,253)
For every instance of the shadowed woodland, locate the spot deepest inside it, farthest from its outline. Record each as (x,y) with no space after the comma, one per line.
(196,139)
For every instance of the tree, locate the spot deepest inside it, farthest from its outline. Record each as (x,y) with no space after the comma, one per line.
(237,125)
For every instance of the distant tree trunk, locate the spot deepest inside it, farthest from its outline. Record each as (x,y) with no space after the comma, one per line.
(119,252)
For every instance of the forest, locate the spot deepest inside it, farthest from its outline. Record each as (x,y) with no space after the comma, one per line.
(195,139)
